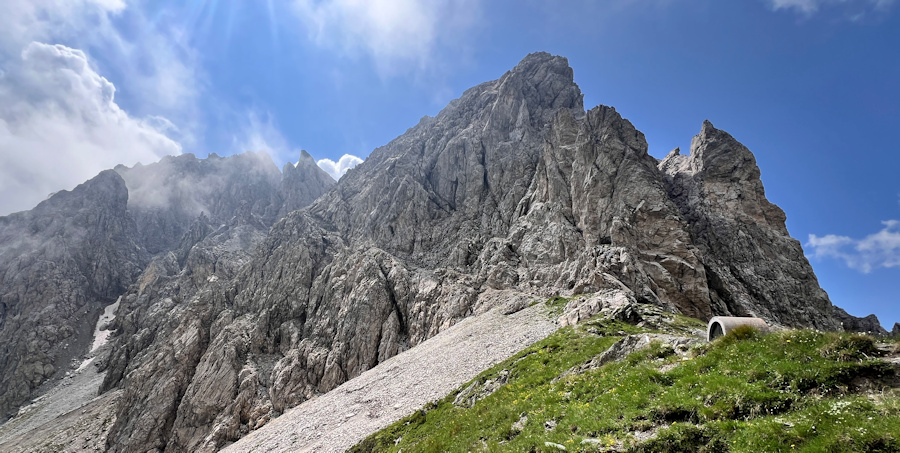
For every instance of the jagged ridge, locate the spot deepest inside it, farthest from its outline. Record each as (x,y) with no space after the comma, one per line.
(61,262)
(513,191)
(510,193)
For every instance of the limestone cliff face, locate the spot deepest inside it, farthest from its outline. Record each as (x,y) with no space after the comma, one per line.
(753,266)
(246,291)
(59,263)
(171,304)
(301,184)
(511,194)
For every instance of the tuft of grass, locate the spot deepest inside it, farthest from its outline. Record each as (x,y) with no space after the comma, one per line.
(794,390)
(684,438)
(851,347)
(557,301)
(741,333)
(611,327)
(680,324)
(557,304)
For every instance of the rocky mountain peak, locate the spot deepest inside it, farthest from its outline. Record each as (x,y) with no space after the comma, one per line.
(305,157)
(527,96)
(545,81)
(511,194)
(106,190)
(302,183)
(716,154)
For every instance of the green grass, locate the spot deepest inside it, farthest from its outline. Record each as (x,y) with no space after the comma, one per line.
(557,304)
(789,391)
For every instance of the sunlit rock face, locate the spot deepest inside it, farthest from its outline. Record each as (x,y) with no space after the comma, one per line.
(256,291)
(512,193)
(753,266)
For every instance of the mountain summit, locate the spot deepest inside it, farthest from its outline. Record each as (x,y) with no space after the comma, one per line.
(511,194)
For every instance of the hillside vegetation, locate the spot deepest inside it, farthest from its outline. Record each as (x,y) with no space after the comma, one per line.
(792,390)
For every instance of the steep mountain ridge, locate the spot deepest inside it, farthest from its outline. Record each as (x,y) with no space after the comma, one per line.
(59,263)
(512,191)
(754,266)
(79,250)
(250,305)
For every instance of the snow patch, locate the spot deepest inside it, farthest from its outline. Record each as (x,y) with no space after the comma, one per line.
(84,364)
(101,331)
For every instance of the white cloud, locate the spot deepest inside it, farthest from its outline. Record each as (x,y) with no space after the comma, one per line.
(259,132)
(61,121)
(881,249)
(805,6)
(60,125)
(152,55)
(156,59)
(339,168)
(808,7)
(398,35)
(24,21)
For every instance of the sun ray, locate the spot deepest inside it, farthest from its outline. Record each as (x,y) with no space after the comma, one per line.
(273,24)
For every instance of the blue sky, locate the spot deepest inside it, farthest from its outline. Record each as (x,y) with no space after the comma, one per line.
(810,86)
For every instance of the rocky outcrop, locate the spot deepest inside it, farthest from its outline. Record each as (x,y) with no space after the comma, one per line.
(633,343)
(60,263)
(301,184)
(753,266)
(169,227)
(512,193)
(868,324)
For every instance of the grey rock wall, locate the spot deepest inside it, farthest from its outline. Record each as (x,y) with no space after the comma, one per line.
(511,194)
(59,264)
(753,266)
(246,291)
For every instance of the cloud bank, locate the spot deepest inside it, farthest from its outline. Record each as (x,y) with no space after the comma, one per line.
(60,121)
(339,168)
(60,125)
(881,249)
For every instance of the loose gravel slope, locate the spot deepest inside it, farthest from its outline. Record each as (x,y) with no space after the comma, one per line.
(337,420)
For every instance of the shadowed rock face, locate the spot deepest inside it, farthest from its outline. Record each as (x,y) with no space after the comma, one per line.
(512,193)
(753,266)
(61,262)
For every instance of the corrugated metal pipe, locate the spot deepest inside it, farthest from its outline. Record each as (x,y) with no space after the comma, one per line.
(721,325)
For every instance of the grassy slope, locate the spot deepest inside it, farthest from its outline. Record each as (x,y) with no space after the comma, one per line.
(787,391)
